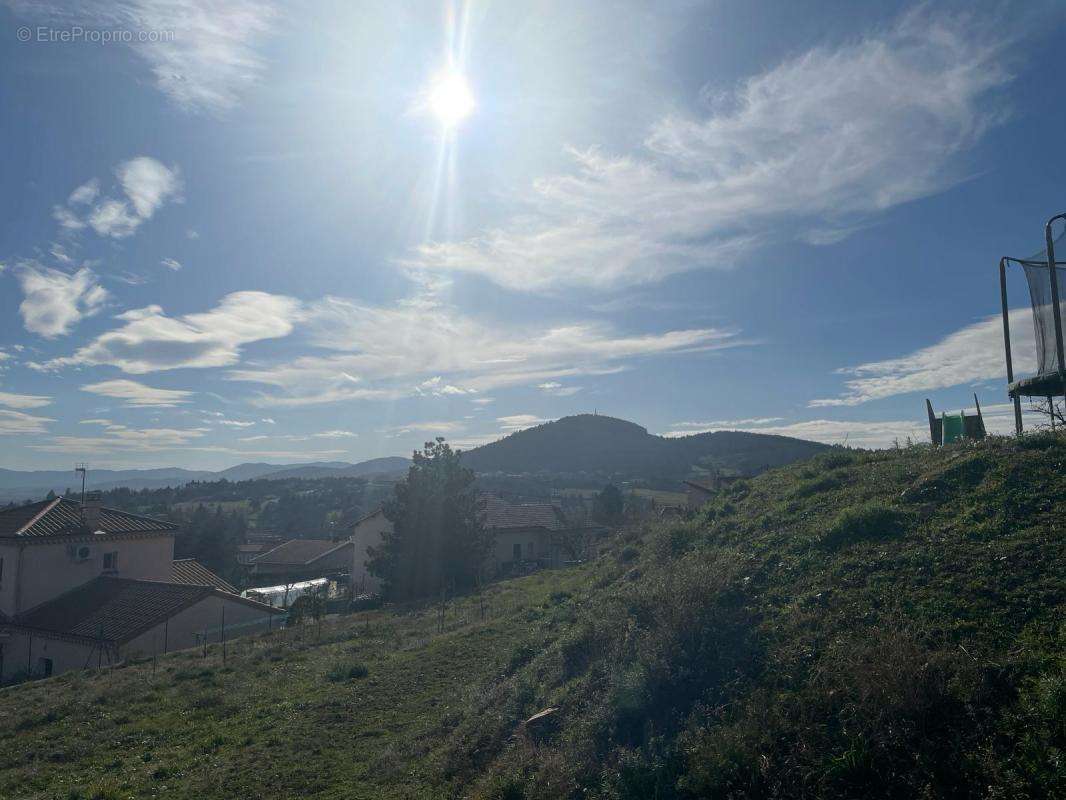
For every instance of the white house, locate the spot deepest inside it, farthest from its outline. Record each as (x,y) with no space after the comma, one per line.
(82,585)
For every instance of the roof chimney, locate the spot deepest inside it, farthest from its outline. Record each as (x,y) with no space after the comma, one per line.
(90,511)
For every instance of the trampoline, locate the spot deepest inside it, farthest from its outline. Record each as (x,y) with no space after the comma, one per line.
(1045,284)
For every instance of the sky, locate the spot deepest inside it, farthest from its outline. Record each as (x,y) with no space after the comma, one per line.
(242,230)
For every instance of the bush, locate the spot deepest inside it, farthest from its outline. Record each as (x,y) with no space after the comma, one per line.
(347,671)
(865,522)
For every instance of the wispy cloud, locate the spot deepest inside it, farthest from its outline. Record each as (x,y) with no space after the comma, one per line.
(172,264)
(684,428)
(55,301)
(517,422)
(809,149)
(17,422)
(967,356)
(556,389)
(149,340)
(23,400)
(383,350)
(203,54)
(119,438)
(870,434)
(137,395)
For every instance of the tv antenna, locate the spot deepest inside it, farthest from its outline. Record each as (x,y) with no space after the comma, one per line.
(83,468)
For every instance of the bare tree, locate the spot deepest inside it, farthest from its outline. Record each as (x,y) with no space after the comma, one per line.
(1051,411)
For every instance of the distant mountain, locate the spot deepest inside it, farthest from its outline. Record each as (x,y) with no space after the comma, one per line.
(375,466)
(19,485)
(607,446)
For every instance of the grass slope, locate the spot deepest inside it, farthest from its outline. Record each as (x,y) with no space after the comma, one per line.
(862,625)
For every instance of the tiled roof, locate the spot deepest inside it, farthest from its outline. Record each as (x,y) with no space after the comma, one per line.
(499,514)
(191,571)
(296,551)
(115,609)
(63,517)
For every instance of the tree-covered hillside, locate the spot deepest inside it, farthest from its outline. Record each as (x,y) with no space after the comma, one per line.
(614,448)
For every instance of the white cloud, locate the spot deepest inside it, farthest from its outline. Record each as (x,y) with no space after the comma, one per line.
(146,183)
(235,423)
(17,422)
(85,194)
(967,356)
(438,388)
(517,422)
(23,400)
(149,340)
(137,395)
(869,434)
(808,149)
(172,264)
(336,434)
(55,301)
(483,401)
(722,424)
(119,438)
(384,349)
(432,427)
(557,389)
(203,54)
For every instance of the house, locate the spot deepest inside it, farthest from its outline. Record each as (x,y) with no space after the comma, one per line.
(366,533)
(303,559)
(700,492)
(82,585)
(527,532)
(256,544)
(523,533)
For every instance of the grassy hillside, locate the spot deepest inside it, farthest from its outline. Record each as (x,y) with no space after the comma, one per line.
(609,447)
(882,624)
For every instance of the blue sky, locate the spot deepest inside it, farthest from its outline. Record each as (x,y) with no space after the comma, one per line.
(235,231)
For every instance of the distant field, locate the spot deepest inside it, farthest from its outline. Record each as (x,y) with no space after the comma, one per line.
(661,497)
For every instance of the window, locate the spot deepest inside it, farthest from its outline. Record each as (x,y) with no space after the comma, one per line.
(517,551)
(44,667)
(532,551)
(1,570)
(111,560)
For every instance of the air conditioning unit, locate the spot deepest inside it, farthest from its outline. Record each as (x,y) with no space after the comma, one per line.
(82,553)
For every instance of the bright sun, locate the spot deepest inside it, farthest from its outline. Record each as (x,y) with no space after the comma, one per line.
(450,99)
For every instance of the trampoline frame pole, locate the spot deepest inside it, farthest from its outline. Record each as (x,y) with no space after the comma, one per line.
(1006,344)
(1052,266)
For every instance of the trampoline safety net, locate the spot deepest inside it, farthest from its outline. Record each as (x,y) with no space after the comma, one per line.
(1039,279)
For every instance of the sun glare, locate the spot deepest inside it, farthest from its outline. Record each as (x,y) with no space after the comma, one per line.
(450,99)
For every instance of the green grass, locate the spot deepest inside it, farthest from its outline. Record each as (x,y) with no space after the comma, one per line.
(885,625)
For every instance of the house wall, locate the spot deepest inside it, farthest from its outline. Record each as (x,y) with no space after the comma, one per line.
(340,558)
(50,568)
(22,654)
(186,628)
(535,544)
(10,554)
(366,534)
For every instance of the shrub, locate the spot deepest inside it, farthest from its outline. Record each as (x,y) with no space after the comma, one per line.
(347,671)
(863,522)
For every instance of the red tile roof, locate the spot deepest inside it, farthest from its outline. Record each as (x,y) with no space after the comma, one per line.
(192,572)
(498,514)
(119,609)
(63,517)
(114,609)
(297,551)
